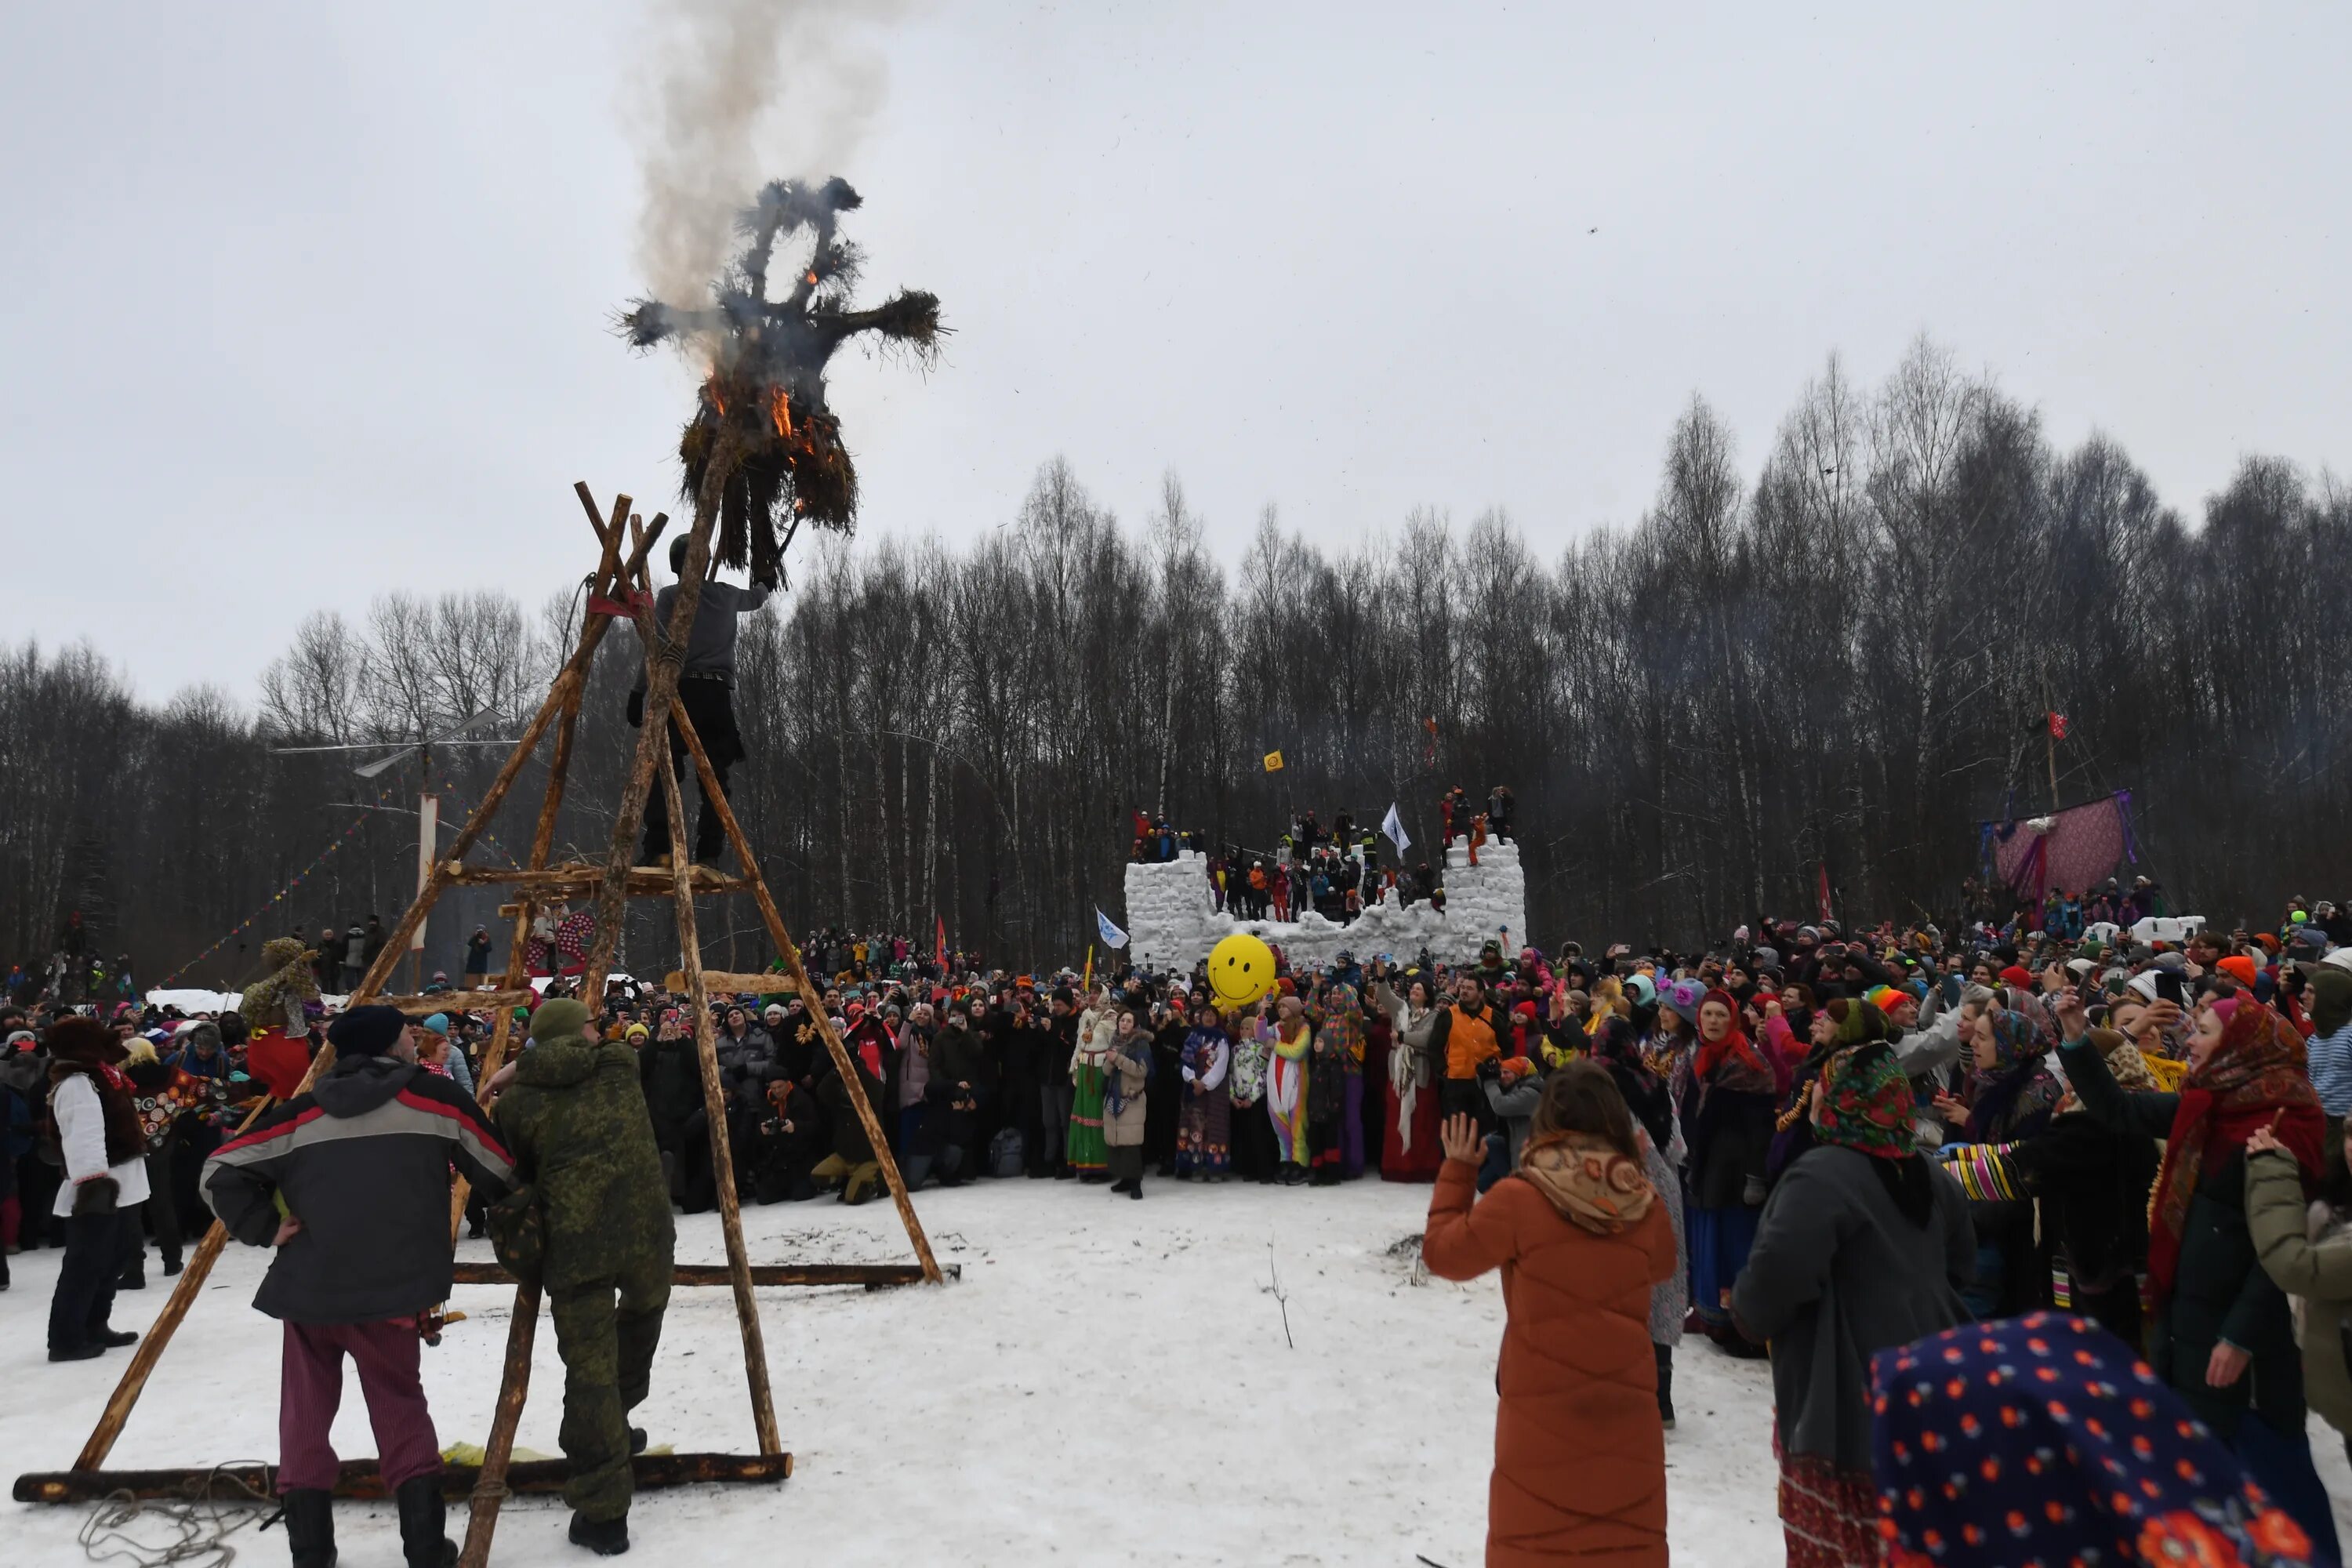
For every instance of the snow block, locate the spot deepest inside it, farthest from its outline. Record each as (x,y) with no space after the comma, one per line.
(1172,919)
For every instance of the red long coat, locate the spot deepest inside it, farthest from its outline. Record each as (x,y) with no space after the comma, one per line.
(1580,1454)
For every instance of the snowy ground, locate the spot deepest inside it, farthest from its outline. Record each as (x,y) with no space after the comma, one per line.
(1108,1384)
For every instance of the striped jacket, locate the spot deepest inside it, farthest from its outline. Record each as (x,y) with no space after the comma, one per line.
(363,1160)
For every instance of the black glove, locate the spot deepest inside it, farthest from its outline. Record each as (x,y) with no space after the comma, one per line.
(1492,1068)
(636,709)
(96,1197)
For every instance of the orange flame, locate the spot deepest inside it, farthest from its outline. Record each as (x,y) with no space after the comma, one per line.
(780,409)
(812,278)
(718,398)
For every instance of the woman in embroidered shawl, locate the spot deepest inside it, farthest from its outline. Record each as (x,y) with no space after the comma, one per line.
(1728,1120)
(2220,1332)
(1862,1247)
(1409,1151)
(1084,1150)
(1581,1239)
(2012,1097)
(1204,1120)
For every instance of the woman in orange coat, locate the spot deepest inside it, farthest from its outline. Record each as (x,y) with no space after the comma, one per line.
(1581,1236)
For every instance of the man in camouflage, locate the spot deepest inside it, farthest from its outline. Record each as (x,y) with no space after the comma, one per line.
(574,1115)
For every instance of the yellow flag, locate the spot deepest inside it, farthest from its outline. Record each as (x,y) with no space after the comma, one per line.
(1274,762)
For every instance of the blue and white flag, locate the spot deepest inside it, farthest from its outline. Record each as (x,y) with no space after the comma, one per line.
(1393,825)
(1112,936)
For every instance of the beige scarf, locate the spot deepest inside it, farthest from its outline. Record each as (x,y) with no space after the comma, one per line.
(1588,1180)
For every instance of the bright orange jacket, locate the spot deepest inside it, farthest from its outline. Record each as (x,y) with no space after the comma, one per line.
(1580,1455)
(1469,1040)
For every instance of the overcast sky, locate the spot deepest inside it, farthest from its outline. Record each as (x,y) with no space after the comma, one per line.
(305,303)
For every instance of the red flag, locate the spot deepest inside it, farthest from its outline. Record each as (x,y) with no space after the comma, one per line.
(1825,892)
(1429,753)
(940,953)
(2057,726)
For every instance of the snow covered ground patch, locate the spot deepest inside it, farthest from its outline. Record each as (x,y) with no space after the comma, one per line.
(1108,1384)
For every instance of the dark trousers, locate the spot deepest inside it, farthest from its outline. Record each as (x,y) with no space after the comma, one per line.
(607,1330)
(99,1246)
(1466,1097)
(1256,1154)
(310,1390)
(711,708)
(1054,1102)
(162,1207)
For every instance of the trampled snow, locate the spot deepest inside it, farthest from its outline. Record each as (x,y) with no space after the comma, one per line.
(1172,919)
(1108,1384)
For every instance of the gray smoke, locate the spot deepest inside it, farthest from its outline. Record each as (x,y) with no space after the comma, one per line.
(749,90)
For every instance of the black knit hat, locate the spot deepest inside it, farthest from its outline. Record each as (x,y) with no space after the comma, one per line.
(367,1031)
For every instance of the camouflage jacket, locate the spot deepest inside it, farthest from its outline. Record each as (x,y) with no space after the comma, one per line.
(575,1119)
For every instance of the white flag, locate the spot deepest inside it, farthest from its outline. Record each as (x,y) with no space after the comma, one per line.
(1112,936)
(1393,825)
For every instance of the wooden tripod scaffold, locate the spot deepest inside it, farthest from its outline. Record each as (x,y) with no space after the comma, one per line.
(620,586)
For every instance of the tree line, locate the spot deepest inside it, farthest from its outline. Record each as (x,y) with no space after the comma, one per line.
(1840,661)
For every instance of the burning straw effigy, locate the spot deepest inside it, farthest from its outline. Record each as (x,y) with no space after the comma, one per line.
(761,414)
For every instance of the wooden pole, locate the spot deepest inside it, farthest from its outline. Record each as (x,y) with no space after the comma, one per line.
(362,1479)
(766,1276)
(714,1104)
(491,1486)
(663,658)
(797,974)
(206,1252)
(543,837)
(714,799)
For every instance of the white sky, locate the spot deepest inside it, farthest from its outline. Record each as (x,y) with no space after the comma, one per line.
(310,302)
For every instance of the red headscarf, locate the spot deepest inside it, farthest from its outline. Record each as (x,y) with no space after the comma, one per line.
(2255,1074)
(1749,1070)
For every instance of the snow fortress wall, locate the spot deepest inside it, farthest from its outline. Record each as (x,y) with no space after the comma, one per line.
(1172,919)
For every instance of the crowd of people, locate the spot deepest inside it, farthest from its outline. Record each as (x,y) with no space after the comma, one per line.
(1833,1143)
(1336,871)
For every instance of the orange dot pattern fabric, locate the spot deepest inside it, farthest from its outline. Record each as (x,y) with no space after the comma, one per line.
(2043,1439)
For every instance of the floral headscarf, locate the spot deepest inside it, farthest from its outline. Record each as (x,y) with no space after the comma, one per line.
(2018,1095)
(1866,1103)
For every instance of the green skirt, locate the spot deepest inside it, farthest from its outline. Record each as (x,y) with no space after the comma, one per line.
(1086,1148)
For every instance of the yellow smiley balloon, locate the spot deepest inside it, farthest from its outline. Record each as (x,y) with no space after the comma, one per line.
(1240,970)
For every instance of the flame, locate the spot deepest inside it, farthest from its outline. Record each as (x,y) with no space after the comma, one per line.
(812,277)
(780,409)
(718,398)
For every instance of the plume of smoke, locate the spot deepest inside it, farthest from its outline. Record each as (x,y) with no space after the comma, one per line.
(747,88)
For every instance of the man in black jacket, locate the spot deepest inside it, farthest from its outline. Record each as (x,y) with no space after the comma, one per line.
(361,1164)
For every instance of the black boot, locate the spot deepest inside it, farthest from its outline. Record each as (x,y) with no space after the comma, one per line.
(310,1527)
(1665,1386)
(421,1514)
(605,1537)
(1135,1187)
